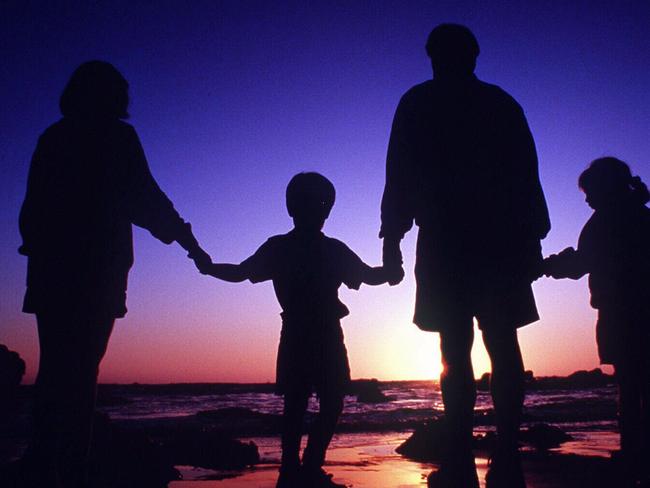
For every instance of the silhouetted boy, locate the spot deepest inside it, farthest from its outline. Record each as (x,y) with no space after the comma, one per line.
(614,248)
(307,268)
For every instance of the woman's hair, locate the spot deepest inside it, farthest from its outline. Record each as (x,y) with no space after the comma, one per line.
(95,90)
(613,175)
(309,187)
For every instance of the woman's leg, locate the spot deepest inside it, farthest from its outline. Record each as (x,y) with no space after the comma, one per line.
(71,351)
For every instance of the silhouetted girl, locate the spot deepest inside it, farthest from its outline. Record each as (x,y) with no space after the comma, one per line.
(614,248)
(88,183)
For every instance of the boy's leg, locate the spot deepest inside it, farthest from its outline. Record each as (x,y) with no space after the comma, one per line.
(295,406)
(322,430)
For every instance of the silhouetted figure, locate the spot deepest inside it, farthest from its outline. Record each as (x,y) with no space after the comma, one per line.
(12,369)
(88,183)
(462,164)
(307,268)
(614,249)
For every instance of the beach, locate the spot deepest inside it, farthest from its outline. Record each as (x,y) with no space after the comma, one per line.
(227,435)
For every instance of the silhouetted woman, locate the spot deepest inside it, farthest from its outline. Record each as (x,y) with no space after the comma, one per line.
(614,248)
(88,183)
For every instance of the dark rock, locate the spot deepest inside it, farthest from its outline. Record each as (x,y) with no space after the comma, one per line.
(428,440)
(211,450)
(425,444)
(577,380)
(544,436)
(368,391)
(121,458)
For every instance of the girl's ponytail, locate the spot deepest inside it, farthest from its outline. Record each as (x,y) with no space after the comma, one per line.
(639,190)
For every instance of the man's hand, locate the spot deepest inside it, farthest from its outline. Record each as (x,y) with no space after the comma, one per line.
(395,274)
(391,253)
(392,260)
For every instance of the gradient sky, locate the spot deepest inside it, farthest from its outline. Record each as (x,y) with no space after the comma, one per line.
(231,98)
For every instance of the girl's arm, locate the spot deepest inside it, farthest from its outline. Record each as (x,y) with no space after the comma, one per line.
(233,273)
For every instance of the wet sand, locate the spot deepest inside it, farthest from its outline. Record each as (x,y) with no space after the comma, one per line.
(371,462)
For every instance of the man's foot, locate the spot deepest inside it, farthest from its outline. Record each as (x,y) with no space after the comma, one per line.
(318,478)
(458,474)
(504,471)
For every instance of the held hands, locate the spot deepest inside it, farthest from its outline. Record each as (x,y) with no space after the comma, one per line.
(392,258)
(202,260)
(394,274)
(560,265)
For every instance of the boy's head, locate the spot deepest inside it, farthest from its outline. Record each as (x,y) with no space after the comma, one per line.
(310,198)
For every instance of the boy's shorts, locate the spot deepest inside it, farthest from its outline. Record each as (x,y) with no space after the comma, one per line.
(312,358)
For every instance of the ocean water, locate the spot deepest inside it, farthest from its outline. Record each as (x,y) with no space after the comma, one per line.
(587,414)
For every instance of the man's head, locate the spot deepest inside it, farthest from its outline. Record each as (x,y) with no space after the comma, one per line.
(310,198)
(453,50)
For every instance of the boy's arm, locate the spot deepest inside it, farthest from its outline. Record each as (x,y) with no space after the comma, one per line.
(379,275)
(234,273)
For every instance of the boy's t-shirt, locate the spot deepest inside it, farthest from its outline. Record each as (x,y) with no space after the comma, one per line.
(307,270)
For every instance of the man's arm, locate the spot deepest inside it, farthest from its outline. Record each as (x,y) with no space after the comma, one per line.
(534,211)
(397,205)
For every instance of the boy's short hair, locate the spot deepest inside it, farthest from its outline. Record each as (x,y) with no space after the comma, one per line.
(309,187)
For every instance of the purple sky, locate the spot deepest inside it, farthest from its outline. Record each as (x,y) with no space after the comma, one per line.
(232,98)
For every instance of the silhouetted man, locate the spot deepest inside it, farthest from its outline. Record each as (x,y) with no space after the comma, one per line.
(462,164)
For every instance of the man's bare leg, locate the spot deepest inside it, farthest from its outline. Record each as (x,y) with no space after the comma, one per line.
(458,395)
(507,387)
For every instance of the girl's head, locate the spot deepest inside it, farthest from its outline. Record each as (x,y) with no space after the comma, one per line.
(609,180)
(96,90)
